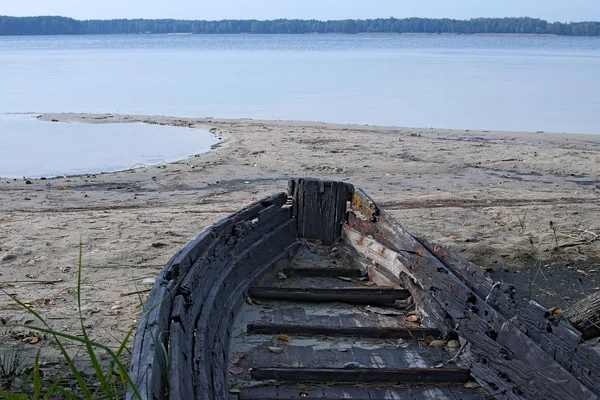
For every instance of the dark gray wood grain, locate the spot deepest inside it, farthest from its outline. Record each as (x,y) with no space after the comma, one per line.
(346,295)
(415,333)
(169,314)
(320,208)
(321,272)
(220,290)
(517,361)
(428,375)
(555,335)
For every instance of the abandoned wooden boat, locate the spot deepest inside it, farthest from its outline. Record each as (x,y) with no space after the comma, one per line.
(318,293)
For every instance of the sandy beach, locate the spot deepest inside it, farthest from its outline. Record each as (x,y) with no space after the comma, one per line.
(506,200)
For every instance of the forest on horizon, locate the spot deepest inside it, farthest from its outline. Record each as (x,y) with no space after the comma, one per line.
(55,25)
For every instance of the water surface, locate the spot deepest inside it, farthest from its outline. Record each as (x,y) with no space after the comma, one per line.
(33,148)
(447,81)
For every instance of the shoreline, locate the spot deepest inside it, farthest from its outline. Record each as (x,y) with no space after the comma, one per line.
(488,195)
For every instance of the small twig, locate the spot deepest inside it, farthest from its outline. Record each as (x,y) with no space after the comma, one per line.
(581,243)
(43,282)
(136,292)
(590,232)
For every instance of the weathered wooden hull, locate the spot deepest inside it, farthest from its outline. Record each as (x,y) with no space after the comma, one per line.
(182,344)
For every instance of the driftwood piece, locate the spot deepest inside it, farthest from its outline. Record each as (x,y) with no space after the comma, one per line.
(344,295)
(320,208)
(506,361)
(363,375)
(414,333)
(585,316)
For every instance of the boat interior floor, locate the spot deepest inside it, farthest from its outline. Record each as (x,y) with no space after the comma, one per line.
(320,329)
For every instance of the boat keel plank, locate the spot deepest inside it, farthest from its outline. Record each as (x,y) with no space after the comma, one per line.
(366,375)
(363,392)
(323,272)
(414,333)
(347,295)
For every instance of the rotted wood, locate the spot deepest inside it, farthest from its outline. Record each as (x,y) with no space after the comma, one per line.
(237,269)
(585,316)
(319,272)
(520,368)
(500,295)
(414,333)
(413,391)
(363,375)
(384,266)
(379,296)
(555,335)
(320,208)
(154,329)
(502,298)
(259,397)
(146,369)
(220,349)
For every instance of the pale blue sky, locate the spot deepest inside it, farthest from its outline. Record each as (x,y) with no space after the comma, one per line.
(552,10)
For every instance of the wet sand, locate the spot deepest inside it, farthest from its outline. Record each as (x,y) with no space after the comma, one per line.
(489,195)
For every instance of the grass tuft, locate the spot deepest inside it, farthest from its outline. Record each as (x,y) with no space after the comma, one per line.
(111,383)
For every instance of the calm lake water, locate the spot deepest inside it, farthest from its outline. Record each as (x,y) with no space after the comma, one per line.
(32,148)
(529,83)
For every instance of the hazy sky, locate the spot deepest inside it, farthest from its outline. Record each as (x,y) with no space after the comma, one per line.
(552,10)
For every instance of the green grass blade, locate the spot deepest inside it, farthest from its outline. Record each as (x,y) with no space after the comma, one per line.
(56,336)
(37,387)
(13,396)
(120,351)
(89,347)
(124,342)
(54,387)
(122,369)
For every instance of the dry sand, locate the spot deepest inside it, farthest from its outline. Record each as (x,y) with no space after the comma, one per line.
(488,195)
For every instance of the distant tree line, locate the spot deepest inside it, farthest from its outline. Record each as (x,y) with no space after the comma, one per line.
(68,26)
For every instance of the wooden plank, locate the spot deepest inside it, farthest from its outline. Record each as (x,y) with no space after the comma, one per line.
(438,391)
(555,335)
(179,366)
(415,333)
(223,328)
(384,265)
(380,254)
(344,295)
(499,295)
(560,342)
(363,375)
(259,397)
(505,360)
(320,208)
(154,324)
(213,304)
(322,272)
